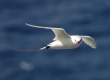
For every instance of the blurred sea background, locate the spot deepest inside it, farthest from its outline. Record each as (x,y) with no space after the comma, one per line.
(77,17)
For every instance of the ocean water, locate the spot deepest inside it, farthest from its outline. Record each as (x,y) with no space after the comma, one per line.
(77,17)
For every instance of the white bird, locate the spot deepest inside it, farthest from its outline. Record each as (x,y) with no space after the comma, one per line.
(64,41)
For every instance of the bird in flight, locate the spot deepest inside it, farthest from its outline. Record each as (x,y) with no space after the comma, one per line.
(62,40)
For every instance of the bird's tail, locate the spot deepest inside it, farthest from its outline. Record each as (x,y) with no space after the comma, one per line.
(25,50)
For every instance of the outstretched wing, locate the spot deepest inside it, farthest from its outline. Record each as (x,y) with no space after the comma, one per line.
(59,32)
(89,40)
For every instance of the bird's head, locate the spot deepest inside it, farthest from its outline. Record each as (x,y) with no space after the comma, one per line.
(78,40)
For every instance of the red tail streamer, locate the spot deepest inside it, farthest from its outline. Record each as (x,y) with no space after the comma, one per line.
(22,50)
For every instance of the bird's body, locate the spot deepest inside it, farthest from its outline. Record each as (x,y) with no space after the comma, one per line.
(64,41)
(68,43)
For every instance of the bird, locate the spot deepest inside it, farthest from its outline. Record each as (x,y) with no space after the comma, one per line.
(62,40)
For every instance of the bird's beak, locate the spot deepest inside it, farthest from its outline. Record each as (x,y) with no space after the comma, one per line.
(78,42)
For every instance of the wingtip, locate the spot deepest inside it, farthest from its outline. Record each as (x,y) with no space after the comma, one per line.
(29,24)
(26,23)
(94,47)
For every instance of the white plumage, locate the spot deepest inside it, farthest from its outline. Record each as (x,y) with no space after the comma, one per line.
(64,41)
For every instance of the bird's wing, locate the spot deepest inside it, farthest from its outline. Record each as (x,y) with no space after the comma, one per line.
(89,40)
(59,32)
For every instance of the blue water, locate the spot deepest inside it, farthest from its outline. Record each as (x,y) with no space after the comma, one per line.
(77,17)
